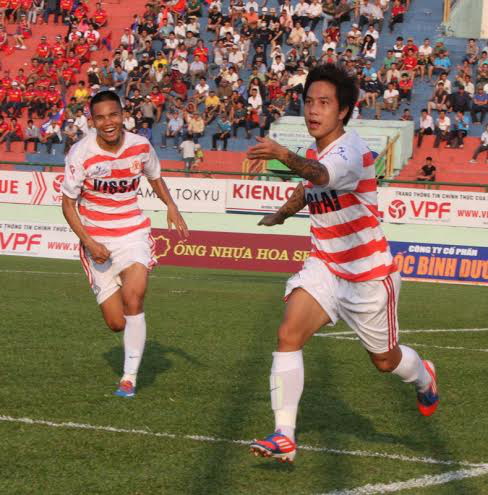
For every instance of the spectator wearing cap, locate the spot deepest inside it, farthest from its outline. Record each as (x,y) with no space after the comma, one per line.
(128,39)
(174,129)
(372,90)
(355,34)
(31,135)
(397,13)
(426,127)
(71,135)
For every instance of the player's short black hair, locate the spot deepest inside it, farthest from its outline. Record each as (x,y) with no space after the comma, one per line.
(105,96)
(347,87)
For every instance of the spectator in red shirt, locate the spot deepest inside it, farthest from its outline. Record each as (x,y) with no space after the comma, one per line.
(30,96)
(82,51)
(14,101)
(158,99)
(43,51)
(410,63)
(14,134)
(66,6)
(35,72)
(59,47)
(99,18)
(4,128)
(396,14)
(405,86)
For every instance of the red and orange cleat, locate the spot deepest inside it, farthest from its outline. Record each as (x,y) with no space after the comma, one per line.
(275,445)
(126,389)
(428,401)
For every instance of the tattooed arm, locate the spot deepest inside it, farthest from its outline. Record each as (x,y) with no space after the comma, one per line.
(295,203)
(309,169)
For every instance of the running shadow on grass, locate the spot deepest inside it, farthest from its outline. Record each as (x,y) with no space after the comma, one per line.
(157,359)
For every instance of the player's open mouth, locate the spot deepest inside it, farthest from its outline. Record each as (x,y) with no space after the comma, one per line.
(313,124)
(110,132)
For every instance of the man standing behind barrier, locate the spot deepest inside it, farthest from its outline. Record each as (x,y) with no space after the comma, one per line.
(103,172)
(350,273)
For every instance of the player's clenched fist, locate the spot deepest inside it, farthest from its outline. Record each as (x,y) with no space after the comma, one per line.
(99,252)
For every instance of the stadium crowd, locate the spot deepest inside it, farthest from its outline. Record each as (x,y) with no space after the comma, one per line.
(177,87)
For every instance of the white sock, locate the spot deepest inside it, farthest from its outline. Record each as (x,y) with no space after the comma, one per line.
(134,341)
(411,369)
(286,385)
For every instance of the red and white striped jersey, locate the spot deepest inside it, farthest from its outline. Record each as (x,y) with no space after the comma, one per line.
(346,232)
(106,185)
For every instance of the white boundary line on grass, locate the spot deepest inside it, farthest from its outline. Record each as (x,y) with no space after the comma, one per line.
(203,438)
(424,481)
(418,330)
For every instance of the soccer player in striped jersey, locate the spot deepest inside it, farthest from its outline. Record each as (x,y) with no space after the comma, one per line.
(350,274)
(102,175)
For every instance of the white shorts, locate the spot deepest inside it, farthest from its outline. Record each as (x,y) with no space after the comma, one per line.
(104,278)
(369,308)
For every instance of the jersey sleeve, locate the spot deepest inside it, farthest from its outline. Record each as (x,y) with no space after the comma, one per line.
(152,168)
(74,175)
(345,167)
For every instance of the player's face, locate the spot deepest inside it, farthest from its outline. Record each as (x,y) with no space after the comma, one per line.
(108,121)
(322,114)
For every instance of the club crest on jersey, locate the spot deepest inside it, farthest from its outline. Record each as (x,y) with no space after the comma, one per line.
(99,170)
(341,151)
(135,167)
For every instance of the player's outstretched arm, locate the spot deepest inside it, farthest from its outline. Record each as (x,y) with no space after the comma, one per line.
(99,252)
(295,203)
(174,216)
(309,169)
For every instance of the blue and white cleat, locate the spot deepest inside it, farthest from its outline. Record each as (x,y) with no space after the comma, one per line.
(126,389)
(275,445)
(428,401)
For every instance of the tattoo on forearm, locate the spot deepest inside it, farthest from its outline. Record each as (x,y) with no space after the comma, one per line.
(295,203)
(307,168)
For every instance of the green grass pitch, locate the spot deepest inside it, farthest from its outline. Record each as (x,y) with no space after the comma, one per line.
(204,382)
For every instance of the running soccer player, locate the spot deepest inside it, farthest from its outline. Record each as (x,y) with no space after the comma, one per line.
(102,176)
(350,273)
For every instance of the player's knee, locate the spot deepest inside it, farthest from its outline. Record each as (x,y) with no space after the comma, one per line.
(289,338)
(116,324)
(384,365)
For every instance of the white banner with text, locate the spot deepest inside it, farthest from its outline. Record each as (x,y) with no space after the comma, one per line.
(433,207)
(44,188)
